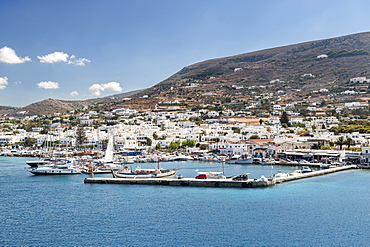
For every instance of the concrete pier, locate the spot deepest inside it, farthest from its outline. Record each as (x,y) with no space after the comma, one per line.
(251,183)
(227,183)
(315,173)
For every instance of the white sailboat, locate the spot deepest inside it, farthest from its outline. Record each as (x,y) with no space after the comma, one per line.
(107,163)
(109,152)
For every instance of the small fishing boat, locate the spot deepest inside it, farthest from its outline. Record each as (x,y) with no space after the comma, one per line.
(95,170)
(144,173)
(246,160)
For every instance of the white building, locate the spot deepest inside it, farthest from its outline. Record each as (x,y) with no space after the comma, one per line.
(358,80)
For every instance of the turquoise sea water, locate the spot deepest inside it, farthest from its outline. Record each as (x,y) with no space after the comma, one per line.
(331,210)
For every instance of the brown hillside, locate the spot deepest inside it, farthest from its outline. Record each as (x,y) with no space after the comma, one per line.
(215,80)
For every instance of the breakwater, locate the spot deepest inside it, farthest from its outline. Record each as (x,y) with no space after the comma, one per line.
(314,173)
(250,183)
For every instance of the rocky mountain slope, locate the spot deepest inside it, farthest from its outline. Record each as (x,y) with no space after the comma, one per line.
(297,71)
(50,106)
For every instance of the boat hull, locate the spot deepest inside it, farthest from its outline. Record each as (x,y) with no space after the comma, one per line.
(136,175)
(38,171)
(96,171)
(244,161)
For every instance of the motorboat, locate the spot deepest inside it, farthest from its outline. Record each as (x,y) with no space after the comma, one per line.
(268,161)
(257,160)
(280,174)
(38,162)
(55,169)
(306,169)
(296,173)
(181,158)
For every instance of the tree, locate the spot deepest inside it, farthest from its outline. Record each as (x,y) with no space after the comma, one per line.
(81,135)
(188,143)
(29,142)
(261,121)
(148,141)
(158,146)
(349,141)
(340,142)
(304,112)
(254,137)
(284,118)
(203,146)
(175,145)
(316,146)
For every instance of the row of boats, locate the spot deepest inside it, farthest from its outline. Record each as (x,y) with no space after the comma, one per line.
(62,167)
(120,169)
(68,168)
(105,165)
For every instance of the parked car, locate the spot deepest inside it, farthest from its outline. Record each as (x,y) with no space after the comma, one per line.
(201,176)
(241,177)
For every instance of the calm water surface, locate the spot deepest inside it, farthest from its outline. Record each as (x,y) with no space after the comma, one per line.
(331,210)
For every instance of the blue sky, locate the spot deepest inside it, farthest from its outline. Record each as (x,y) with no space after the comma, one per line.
(81,49)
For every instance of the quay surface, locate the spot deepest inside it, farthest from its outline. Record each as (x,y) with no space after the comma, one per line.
(250,183)
(314,173)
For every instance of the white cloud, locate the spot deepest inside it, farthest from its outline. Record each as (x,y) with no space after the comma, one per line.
(3,82)
(48,85)
(95,89)
(63,57)
(78,61)
(8,55)
(74,93)
(110,86)
(54,57)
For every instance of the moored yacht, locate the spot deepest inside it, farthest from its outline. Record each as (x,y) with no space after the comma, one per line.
(57,169)
(38,162)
